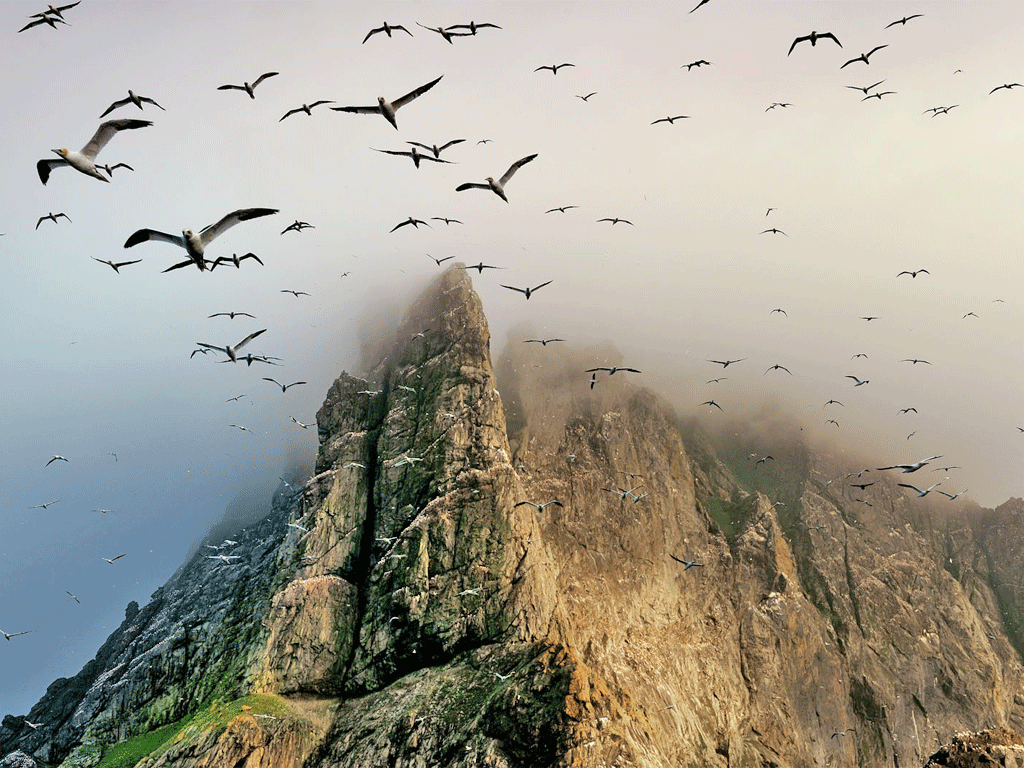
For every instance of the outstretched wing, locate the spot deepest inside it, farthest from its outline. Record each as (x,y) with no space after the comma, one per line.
(106,132)
(513,288)
(798,40)
(361,110)
(212,231)
(43,167)
(471,185)
(541,286)
(263,77)
(443,147)
(248,338)
(515,167)
(114,106)
(413,94)
(143,235)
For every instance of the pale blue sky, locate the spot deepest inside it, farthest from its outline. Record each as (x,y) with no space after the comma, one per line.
(97,362)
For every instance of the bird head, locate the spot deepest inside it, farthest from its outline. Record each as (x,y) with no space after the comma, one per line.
(380,100)
(62,152)
(490,179)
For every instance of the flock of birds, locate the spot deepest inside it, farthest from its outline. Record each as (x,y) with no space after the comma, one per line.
(196,243)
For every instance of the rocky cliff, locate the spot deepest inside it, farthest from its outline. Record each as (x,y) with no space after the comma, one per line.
(405,607)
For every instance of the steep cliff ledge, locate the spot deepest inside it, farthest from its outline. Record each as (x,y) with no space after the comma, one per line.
(417,602)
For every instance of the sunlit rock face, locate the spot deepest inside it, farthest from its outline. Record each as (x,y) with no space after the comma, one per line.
(683,602)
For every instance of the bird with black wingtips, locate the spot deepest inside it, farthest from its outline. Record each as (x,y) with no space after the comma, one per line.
(1007,86)
(699,63)
(235,259)
(415,223)
(688,563)
(116,266)
(671,119)
(231,315)
(540,507)
(907,468)
(441,260)
(51,216)
(777,367)
(727,363)
(389,108)
(617,220)
(246,86)
(542,342)
(913,273)
(813,39)
(437,150)
(84,161)
(56,457)
(612,369)
(561,208)
(712,402)
(386,29)
(307,108)
(498,187)
(473,26)
(111,168)
(878,95)
(414,153)
(133,98)
(51,20)
(782,104)
(446,34)
(553,67)
(528,291)
(865,88)
(232,351)
(587,97)
(284,387)
(57,11)
(865,56)
(480,267)
(920,493)
(904,20)
(774,231)
(859,382)
(195,243)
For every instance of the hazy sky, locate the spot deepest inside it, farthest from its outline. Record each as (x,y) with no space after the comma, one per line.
(97,363)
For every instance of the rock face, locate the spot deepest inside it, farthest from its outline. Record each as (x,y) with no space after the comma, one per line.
(405,607)
(989,748)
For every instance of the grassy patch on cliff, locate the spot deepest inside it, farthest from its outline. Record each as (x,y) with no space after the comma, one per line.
(214,719)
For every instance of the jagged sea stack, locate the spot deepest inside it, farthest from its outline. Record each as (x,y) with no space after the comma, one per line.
(413,615)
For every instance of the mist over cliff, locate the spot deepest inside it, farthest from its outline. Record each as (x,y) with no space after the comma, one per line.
(505,566)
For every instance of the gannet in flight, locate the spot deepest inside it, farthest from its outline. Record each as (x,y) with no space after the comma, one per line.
(904,20)
(473,26)
(445,33)
(920,493)
(414,153)
(235,259)
(859,382)
(112,559)
(195,243)
(689,564)
(617,220)
(232,352)
(498,187)
(712,402)
(553,67)
(913,273)
(1007,86)
(296,294)
(246,87)
(500,676)
(813,38)
(84,161)
(778,367)
(388,108)
(953,496)
(116,266)
(51,216)
(386,29)
(612,369)
(111,168)
(727,363)
(864,56)
(132,99)
(284,387)
(698,64)
(480,267)
(907,468)
(55,458)
(9,635)
(415,222)
(225,558)
(878,95)
(307,108)
(915,361)
(527,291)
(232,315)
(865,89)
(437,150)
(304,426)
(774,231)
(671,120)
(55,11)
(447,221)
(561,208)
(539,507)
(587,97)
(73,597)
(51,20)
(46,505)
(439,260)
(542,342)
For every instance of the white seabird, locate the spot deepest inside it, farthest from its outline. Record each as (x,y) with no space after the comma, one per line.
(193,243)
(388,108)
(84,160)
(498,187)
(132,99)
(232,352)
(245,86)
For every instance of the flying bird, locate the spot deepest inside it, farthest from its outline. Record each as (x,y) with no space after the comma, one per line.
(9,635)
(784,312)
(415,223)
(447,221)
(611,370)
(587,97)
(862,486)
(55,458)
(693,64)
(865,89)
(687,563)
(246,87)
(915,361)
(878,95)
(73,597)
(112,559)
(239,426)
(304,426)
(473,26)
(859,354)
(859,383)
(920,493)
(388,108)
(480,267)
(498,187)
(542,342)
(132,99)
(617,221)
(540,507)
(1007,86)
(232,399)
(437,150)
(727,363)
(953,496)
(414,154)
(813,38)
(445,258)
(51,216)
(712,402)
(907,468)
(670,120)
(870,318)
(940,110)
(307,108)
(55,11)
(906,410)
(231,315)
(904,20)
(52,21)
(702,2)
(865,56)
(774,231)
(715,381)
(832,402)
(914,273)
(778,367)
(561,208)
(386,29)
(527,291)
(232,352)
(297,226)
(284,387)
(84,161)
(553,67)
(46,505)
(832,421)
(445,33)
(116,266)
(235,259)
(111,168)
(782,104)
(195,243)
